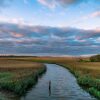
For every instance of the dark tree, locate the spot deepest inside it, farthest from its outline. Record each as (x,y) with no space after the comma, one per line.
(95,58)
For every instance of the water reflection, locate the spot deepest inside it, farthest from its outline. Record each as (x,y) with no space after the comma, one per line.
(56,84)
(63,87)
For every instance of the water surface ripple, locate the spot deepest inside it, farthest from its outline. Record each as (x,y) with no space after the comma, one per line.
(63,86)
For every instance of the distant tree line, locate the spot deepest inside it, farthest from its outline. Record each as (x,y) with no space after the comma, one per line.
(95,58)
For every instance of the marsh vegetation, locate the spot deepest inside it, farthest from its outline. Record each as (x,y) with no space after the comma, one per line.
(18,76)
(86,72)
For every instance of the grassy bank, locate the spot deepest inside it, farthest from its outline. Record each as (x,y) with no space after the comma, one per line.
(18,76)
(87,77)
(87,73)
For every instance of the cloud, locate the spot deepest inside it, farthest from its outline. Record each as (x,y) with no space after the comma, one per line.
(92,15)
(42,39)
(97,29)
(97,40)
(67,2)
(48,3)
(6,43)
(55,3)
(95,14)
(17,35)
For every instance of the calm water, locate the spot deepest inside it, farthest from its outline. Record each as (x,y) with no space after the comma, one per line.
(63,86)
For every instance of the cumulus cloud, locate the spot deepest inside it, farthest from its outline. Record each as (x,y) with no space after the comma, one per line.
(42,39)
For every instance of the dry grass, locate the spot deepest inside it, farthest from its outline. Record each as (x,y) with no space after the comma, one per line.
(18,75)
(90,68)
(8,63)
(86,72)
(85,68)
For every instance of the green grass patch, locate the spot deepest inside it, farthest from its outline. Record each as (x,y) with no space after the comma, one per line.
(19,76)
(92,85)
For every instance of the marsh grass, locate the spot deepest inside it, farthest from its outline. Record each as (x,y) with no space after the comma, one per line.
(87,76)
(87,73)
(19,76)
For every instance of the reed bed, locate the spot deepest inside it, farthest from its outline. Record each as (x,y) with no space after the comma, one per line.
(18,76)
(87,73)
(87,76)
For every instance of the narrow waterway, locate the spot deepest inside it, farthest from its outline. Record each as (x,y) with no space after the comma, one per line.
(56,84)
(63,86)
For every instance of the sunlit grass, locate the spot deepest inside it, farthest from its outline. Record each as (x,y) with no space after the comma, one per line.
(18,76)
(86,72)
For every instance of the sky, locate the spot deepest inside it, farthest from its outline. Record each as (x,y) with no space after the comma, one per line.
(50,27)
